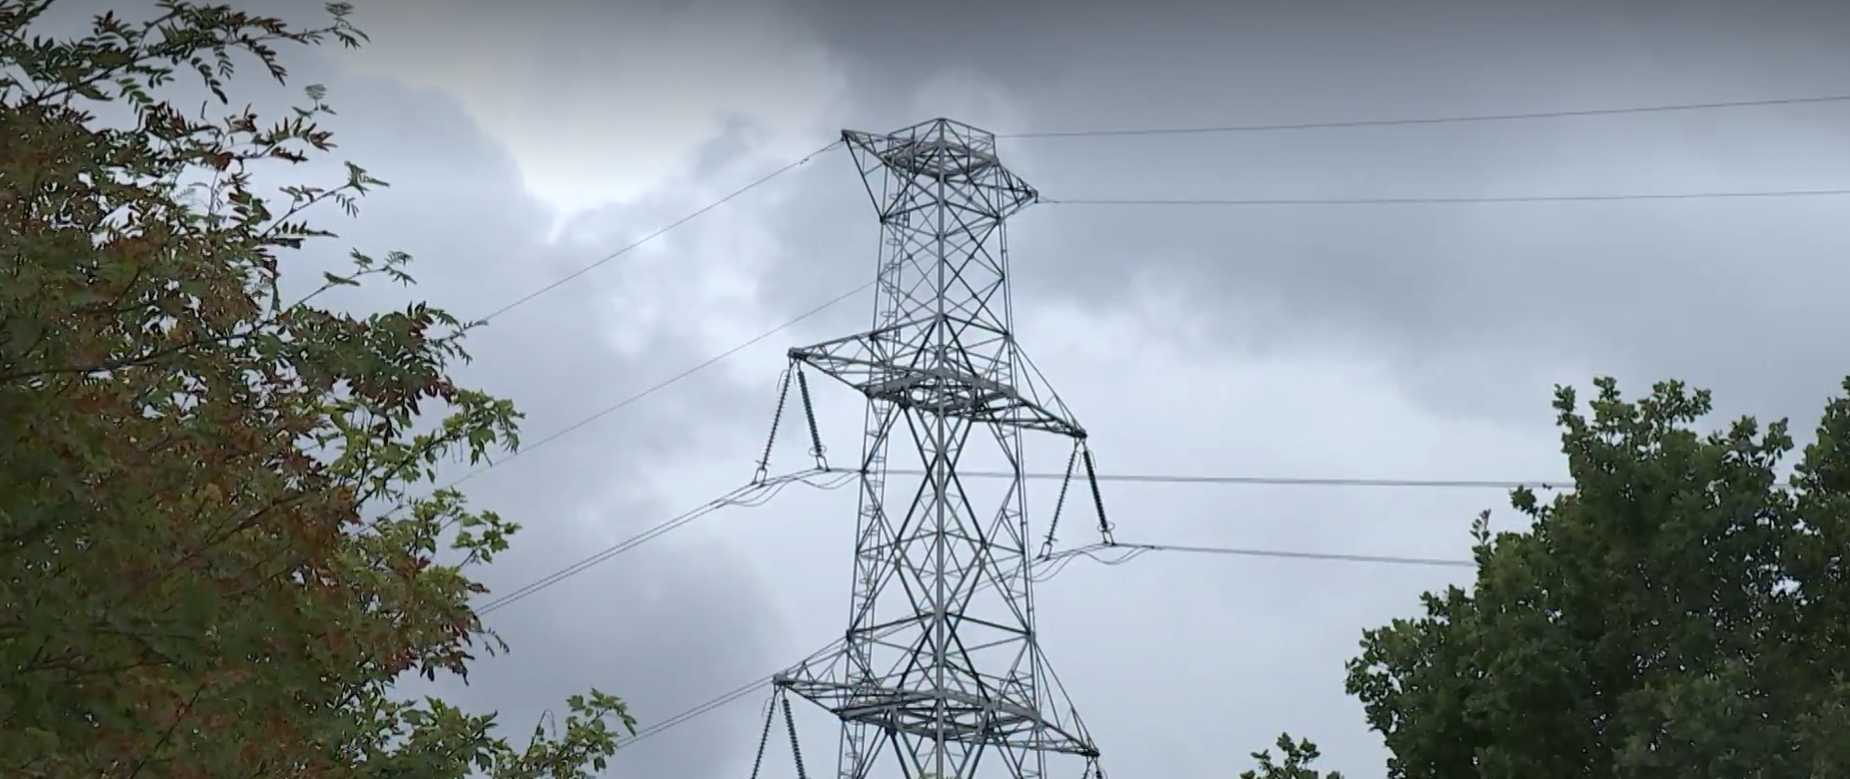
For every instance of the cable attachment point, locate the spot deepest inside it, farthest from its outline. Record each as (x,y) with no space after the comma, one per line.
(777,418)
(1059,503)
(816,449)
(1098,501)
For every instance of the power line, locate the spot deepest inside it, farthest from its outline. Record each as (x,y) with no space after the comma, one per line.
(1146,478)
(658,233)
(760,492)
(1402,201)
(695,712)
(1296,555)
(746,689)
(1283,481)
(1056,563)
(751,495)
(730,696)
(619,405)
(1458,119)
(1127,552)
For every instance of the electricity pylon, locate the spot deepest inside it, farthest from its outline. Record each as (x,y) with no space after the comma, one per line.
(941,668)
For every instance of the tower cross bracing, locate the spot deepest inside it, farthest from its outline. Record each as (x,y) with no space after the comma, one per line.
(940,672)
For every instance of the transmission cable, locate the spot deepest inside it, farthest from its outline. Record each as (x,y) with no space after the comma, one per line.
(752,495)
(1126,552)
(1281,481)
(1406,201)
(734,694)
(1146,478)
(659,386)
(759,492)
(695,712)
(1464,119)
(523,300)
(1054,564)
(748,688)
(658,233)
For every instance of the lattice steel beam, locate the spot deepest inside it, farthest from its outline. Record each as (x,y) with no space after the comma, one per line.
(941,670)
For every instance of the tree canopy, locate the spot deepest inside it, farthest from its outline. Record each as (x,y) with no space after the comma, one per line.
(217,552)
(1682,611)
(1293,762)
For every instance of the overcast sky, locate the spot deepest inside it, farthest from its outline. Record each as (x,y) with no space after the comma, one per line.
(525,142)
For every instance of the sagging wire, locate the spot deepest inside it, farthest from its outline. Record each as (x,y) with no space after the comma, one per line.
(693,713)
(752,495)
(1052,565)
(771,487)
(1127,552)
(1042,569)
(748,688)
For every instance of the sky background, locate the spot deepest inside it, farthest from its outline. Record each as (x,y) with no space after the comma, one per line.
(525,142)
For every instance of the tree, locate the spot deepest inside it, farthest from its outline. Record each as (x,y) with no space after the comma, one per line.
(1296,756)
(215,560)
(1682,612)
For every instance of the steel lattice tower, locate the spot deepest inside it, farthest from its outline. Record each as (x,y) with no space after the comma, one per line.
(941,669)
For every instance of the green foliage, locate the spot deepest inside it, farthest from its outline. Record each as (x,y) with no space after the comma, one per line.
(1295,758)
(188,586)
(1681,613)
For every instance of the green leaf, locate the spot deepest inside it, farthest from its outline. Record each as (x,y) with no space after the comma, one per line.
(190,586)
(1679,612)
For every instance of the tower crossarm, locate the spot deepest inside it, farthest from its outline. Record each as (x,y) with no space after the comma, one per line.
(941,151)
(944,389)
(971,719)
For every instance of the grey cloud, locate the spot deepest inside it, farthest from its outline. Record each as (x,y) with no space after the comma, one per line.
(1462,306)
(1467,304)
(1471,310)
(1533,292)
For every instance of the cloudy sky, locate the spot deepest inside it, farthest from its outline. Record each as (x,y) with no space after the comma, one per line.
(526,142)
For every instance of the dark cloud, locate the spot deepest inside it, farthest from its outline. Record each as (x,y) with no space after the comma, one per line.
(1414,341)
(1531,292)
(1468,313)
